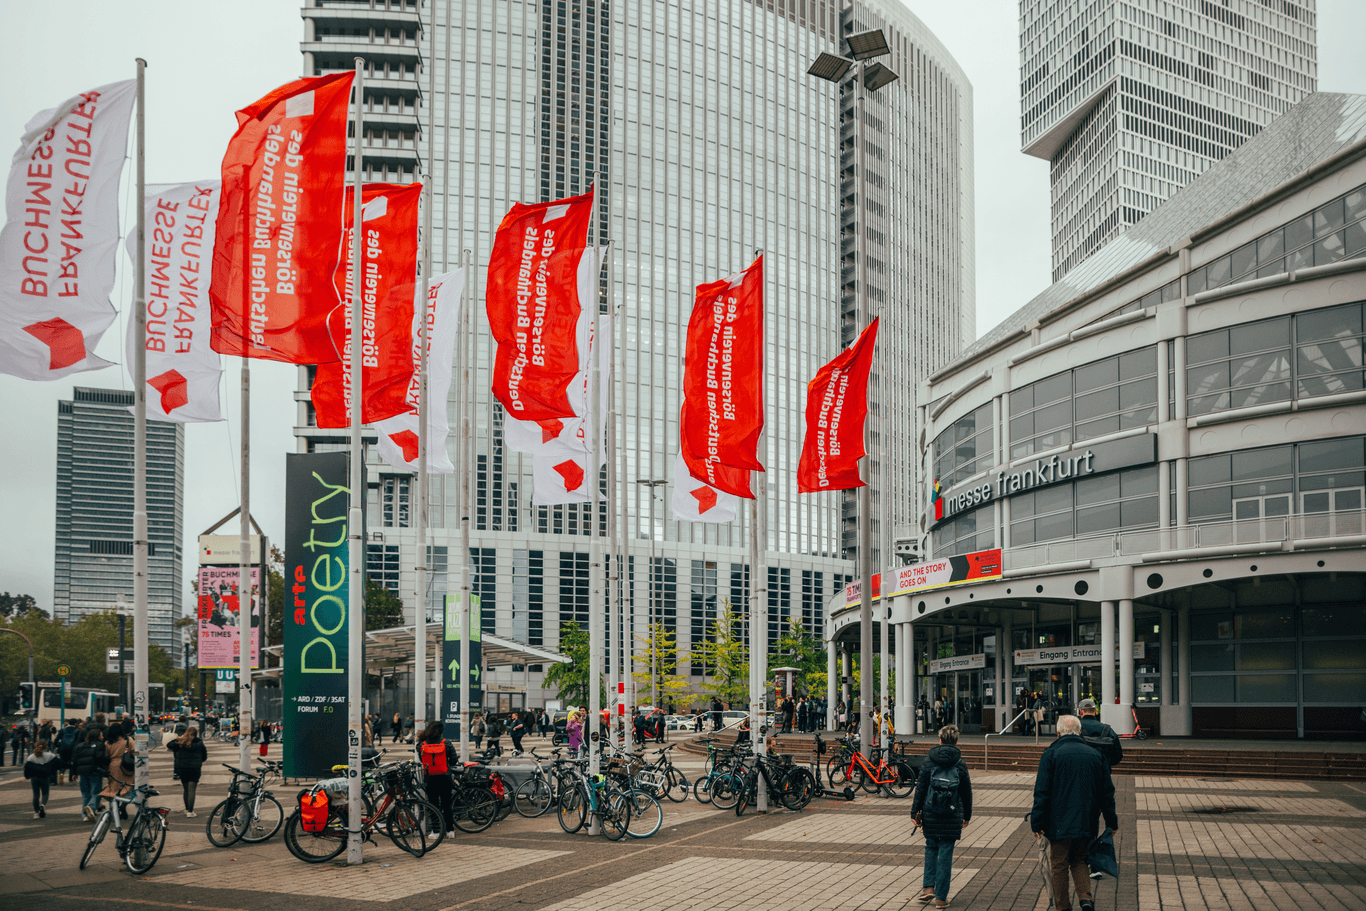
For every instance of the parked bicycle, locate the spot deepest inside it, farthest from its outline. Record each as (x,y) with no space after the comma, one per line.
(250,813)
(590,800)
(321,835)
(146,837)
(896,778)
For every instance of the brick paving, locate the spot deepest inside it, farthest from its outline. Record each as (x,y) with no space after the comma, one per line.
(1286,845)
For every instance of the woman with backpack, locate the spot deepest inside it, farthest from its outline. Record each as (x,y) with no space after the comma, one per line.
(438,758)
(190,756)
(85,762)
(39,769)
(118,759)
(942,808)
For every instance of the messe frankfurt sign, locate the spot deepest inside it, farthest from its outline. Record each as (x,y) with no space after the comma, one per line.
(1046,471)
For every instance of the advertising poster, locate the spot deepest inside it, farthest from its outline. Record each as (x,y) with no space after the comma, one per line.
(450,664)
(315,651)
(219,607)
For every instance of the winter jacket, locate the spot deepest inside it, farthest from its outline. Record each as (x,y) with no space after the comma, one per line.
(575,731)
(1091,726)
(119,779)
(943,756)
(1072,789)
(41,767)
(85,758)
(189,757)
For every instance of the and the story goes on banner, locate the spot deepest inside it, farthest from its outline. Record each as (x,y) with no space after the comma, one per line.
(219,608)
(316,614)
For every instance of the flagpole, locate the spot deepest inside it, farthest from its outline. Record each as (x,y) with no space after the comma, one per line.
(865,493)
(595,506)
(356,553)
(758,620)
(883,623)
(466,592)
(140,530)
(613,570)
(420,598)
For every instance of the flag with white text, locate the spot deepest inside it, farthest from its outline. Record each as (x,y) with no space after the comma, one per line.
(183,372)
(280,224)
(836,409)
(694,501)
(61,235)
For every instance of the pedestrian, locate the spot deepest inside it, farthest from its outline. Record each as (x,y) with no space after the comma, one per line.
(742,734)
(4,742)
(85,762)
(438,758)
(1071,791)
(1099,735)
(477,729)
(516,730)
(39,768)
(803,715)
(396,727)
(190,756)
(66,742)
(658,718)
(19,743)
(574,731)
(942,807)
(494,732)
(116,750)
(715,714)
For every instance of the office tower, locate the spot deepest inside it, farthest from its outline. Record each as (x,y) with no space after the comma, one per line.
(1129,100)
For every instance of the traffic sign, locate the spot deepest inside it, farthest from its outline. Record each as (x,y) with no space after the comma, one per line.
(63,671)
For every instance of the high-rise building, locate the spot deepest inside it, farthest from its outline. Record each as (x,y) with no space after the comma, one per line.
(1129,100)
(706,140)
(94,541)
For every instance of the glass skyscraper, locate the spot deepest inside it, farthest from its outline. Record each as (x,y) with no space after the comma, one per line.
(1130,100)
(707,141)
(94,540)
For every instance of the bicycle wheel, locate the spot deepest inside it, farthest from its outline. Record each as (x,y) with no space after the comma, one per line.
(431,821)
(614,808)
(798,788)
(725,791)
(701,789)
(228,822)
(269,818)
(405,828)
(677,789)
(861,779)
(144,843)
(533,798)
(315,847)
(837,771)
(473,809)
(96,836)
(573,809)
(904,786)
(746,794)
(646,815)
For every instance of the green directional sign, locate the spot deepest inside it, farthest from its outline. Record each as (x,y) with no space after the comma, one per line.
(451,678)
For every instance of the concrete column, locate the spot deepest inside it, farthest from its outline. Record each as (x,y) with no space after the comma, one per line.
(903,717)
(1184,725)
(912,682)
(1162,367)
(1125,723)
(847,675)
(1164,499)
(1107,662)
(1001,681)
(831,684)
(1182,498)
(1006,702)
(1164,664)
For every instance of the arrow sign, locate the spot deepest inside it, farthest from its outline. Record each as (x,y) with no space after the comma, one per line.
(455,670)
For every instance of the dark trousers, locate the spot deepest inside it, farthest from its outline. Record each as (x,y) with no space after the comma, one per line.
(40,791)
(439,793)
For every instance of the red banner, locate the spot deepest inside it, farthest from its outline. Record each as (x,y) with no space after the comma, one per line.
(836,408)
(723,381)
(534,304)
(388,284)
(280,224)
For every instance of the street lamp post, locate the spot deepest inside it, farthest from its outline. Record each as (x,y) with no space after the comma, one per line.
(650,587)
(870,77)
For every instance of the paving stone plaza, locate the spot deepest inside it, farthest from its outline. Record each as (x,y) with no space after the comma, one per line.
(1184,843)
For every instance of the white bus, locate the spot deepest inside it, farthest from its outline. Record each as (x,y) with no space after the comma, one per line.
(81,702)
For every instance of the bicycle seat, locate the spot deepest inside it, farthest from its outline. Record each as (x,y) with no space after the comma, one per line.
(342,767)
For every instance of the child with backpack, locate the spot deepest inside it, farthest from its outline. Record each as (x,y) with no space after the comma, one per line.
(942,808)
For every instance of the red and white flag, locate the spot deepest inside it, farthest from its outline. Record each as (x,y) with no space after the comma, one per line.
(534,303)
(280,224)
(694,501)
(723,381)
(61,234)
(183,372)
(836,408)
(388,284)
(398,437)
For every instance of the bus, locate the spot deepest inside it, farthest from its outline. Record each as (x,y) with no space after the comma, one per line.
(81,702)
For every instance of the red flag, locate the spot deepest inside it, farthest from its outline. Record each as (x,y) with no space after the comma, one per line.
(280,224)
(533,300)
(388,284)
(723,381)
(836,407)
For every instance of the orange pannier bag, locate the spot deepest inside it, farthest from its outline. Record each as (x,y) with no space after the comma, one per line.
(313,811)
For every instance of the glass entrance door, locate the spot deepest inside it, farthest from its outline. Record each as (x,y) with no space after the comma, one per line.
(1258,519)
(969,701)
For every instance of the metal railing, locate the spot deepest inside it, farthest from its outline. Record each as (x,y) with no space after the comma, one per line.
(986,738)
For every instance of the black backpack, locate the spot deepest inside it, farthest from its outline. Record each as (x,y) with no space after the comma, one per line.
(1107,742)
(68,741)
(942,799)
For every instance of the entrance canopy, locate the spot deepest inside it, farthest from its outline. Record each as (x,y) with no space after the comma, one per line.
(386,649)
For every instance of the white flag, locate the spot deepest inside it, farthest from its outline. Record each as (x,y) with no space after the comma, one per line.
(61,233)
(694,501)
(562,478)
(182,370)
(398,435)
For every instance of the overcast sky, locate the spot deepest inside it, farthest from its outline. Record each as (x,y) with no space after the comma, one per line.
(208,60)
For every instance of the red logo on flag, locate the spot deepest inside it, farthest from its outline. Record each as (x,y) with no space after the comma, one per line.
(406,440)
(175,391)
(572,472)
(66,345)
(706,499)
(550,429)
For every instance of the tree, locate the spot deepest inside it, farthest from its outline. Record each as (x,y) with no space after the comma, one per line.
(724,658)
(659,658)
(383,608)
(19,606)
(571,680)
(798,648)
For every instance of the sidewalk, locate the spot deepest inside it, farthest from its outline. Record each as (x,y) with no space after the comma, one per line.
(1187,843)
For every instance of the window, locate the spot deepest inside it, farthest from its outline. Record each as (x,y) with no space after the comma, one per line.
(1328,351)
(1090,506)
(965,448)
(1238,367)
(1118,393)
(395,494)
(965,533)
(703,607)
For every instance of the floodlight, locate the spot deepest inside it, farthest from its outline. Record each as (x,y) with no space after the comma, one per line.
(830,67)
(866,45)
(875,76)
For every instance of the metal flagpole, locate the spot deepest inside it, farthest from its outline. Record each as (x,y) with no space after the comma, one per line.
(865,493)
(466,591)
(595,506)
(140,543)
(882,605)
(356,554)
(613,569)
(420,596)
(758,619)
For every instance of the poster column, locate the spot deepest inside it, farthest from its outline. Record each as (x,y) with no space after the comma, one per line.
(454,669)
(316,649)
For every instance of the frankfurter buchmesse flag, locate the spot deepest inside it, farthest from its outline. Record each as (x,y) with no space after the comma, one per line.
(836,409)
(61,235)
(280,224)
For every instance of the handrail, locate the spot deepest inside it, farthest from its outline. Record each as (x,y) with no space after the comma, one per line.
(985,764)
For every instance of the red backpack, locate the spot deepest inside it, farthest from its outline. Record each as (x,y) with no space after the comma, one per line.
(434,758)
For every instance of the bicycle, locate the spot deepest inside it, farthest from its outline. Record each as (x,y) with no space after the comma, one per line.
(146,837)
(250,813)
(720,764)
(596,799)
(537,794)
(665,778)
(896,778)
(400,819)
(640,791)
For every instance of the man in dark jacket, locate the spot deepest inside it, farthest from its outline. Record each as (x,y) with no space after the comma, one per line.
(716,714)
(1091,726)
(943,808)
(1072,789)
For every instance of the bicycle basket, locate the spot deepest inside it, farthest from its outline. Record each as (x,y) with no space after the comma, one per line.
(655,782)
(313,811)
